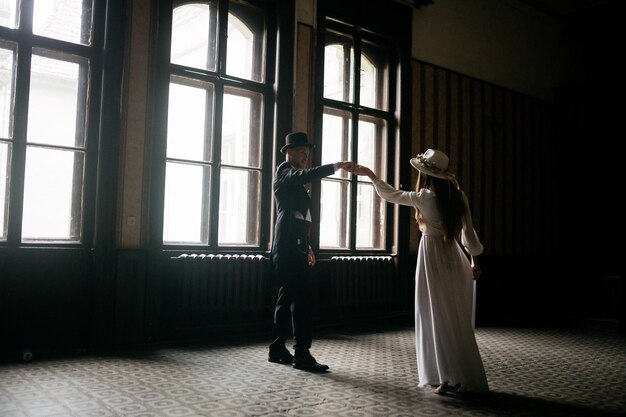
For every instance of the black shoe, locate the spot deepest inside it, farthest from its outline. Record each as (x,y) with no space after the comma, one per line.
(309,364)
(281,357)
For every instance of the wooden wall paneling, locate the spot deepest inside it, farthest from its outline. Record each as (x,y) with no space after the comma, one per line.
(465,137)
(535,166)
(441,113)
(549,184)
(498,174)
(49,296)
(453,125)
(416,107)
(303,100)
(417,142)
(488,203)
(130,302)
(518,189)
(510,210)
(527,180)
(477,197)
(429,119)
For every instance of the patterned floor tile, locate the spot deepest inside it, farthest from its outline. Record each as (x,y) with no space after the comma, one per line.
(531,372)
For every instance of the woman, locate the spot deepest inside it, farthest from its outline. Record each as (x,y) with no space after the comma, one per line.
(447,353)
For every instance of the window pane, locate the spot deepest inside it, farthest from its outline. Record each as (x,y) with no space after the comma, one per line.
(371,146)
(240,204)
(52,194)
(5,150)
(190,122)
(370,220)
(334,212)
(66,20)
(7,86)
(374,67)
(336,138)
(241,129)
(186,203)
(194,36)
(244,53)
(8,13)
(55,85)
(338,67)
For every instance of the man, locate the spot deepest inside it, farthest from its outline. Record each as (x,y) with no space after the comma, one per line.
(292,255)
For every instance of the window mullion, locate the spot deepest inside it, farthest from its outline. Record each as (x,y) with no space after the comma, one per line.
(18,152)
(353,180)
(222,35)
(216,166)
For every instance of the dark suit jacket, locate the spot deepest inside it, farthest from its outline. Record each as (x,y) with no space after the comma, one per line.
(291,236)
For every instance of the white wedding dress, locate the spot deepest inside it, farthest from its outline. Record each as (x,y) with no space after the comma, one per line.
(444,296)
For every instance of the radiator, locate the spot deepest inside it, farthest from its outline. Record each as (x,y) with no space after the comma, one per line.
(362,281)
(221,283)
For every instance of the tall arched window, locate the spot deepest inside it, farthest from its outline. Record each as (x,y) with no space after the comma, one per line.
(218,119)
(357,112)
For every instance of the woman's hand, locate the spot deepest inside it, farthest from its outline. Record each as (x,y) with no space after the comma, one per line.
(361,170)
(476,271)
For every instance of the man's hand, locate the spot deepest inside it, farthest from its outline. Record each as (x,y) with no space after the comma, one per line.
(311,257)
(346,165)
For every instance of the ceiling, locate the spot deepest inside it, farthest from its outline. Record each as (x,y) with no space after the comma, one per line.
(571,11)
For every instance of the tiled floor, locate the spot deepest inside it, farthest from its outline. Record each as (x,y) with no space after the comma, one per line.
(532,372)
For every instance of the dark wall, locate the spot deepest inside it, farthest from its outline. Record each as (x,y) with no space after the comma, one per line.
(501,146)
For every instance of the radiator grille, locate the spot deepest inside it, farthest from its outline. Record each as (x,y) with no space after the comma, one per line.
(222,283)
(362,281)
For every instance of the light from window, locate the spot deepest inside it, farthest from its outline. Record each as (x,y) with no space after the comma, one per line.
(368,82)
(374,76)
(54,84)
(53,175)
(8,15)
(188,127)
(338,223)
(336,146)
(241,136)
(337,139)
(49,194)
(239,54)
(338,74)
(7,85)
(7,78)
(370,207)
(214,179)
(334,214)
(65,20)
(194,36)
(5,150)
(186,199)
(186,184)
(239,207)
(240,198)
(245,45)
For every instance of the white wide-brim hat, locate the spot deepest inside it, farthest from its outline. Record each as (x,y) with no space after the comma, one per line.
(433,162)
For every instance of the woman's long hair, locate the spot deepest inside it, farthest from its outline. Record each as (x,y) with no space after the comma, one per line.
(449,202)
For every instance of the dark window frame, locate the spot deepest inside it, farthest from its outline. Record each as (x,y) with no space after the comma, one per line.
(26,45)
(358,34)
(221,81)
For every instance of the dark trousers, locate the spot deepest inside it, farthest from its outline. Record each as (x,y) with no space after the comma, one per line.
(292,312)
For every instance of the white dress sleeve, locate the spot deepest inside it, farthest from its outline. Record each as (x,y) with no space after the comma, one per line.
(469,237)
(389,193)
